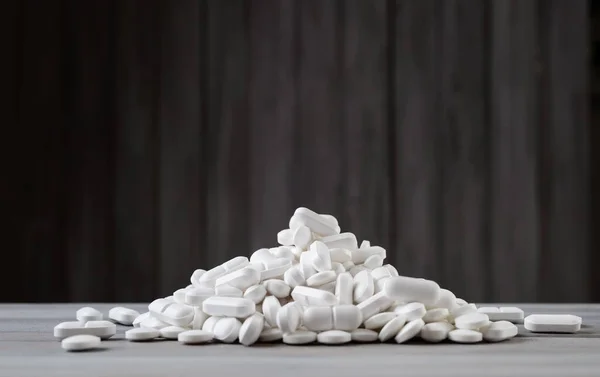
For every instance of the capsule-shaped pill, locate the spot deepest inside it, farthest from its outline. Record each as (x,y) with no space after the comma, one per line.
(311,219)
(346,317)
(318,318)
(307,296)
(228,307)
(407,289)
(240,279)
(171,313)
(341,241)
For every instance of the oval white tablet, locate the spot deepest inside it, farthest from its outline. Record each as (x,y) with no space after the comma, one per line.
(171,332)
(364,335)
(195,278)
(227,330)
(318,318)
(334,337)
(195,337)
(251,329)
(344,288)
(317,224)
(556,323)
(293,276)
(392,328)
(302,237)
(320,257)
(80,342)
(379,320)
(256,293)
(285,237)
(275,268)
(228,307)
(141,334)
(288,317)
(409,331)
(209,324)
(270,335)
(321,278)
(436,315)
(101,329)
(270,308)
(412,310)
(345,240)
(346,317)
(364,286)
(499,331)
(465,336)
(471,321)
(300,337)
(140,318)
(307,296)
(123,316)
(407,289)
(436,332)
(277,288)
(88,314)
(374,304)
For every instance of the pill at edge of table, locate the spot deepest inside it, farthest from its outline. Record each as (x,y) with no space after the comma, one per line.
(553,323)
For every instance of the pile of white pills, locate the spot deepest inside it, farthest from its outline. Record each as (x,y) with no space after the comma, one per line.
(319,285)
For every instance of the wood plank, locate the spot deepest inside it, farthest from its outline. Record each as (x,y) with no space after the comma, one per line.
(464,152)
(181,131)
(565,152)
(365,121)
(90,94)
(272,109)
(225,141)
(515,243)
(136,151)
(417,120)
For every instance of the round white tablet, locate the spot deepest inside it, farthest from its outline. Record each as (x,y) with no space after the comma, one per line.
(392,328)
(209,324)
(227,330)
(87,313)
(409,331)
(334,337)
(195,337)
(270,335)
(436,315)
(379,320)
(256,293)
(465,336)
(288,317)
(435,332)
(171,332)
(472,321)
(141,334)
(277,288)
(364,335)
(300,337)
(251,329)
(124,316)
(412,310)
(80,342)
(499,331)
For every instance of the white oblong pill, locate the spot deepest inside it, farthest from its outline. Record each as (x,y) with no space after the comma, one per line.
(209,278)
(140,318)
(171,332)
(318,318)
(447,300)
(88,314)
(328,287)
(374,304)
(306,266)
(373,261)
(554,323)
(286,252)
(277,288)
(346,317)
(123,316)
(359,256)
(209,324)
(228,307)
(364,244)
(199,318)
(462,310)
(334,337)
(102,329)
(293,277)
(270,335)
(392,328)
(256,293)
(412,310)
(461,302)
(141,334)
(240,279)
(471,321)
(380,273)
(227,330)
(331,219)
(171,313)
(499,331)
(379,320)
(289,317)
(270,308)
(195,278)
(321,278)
(302,237)
(364,287)
(436,315)
(317,224)
(275,268)
(251,329)
(227,290)
(340,255)
(80,342)
(409,331)
(391,269)
(196,296)
(341,241)
(435,332)
(320,257)
(285,237)
(511,314)
(300,337)
(364,336)
(235,264)
(153,323)
(307,296)
(344,288)
(195,337)
(179,295)
(465,336)
(407,289)
(262,256)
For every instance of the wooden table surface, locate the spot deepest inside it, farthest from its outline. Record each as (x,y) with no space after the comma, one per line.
(28,348)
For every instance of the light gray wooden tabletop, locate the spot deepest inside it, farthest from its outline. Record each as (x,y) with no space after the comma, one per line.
(27,348)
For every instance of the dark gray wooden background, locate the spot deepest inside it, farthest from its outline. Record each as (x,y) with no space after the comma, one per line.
(155,137)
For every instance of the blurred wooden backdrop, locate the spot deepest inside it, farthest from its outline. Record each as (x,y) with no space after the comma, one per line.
(149,138)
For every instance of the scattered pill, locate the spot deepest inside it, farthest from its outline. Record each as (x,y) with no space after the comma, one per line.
(141,334)
(101,329)
(195,337)
(553,323)
(88,314)
(123,316)
(171,332)
(80,342)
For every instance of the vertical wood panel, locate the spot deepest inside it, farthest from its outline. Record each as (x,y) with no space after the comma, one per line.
(136,213)
(417,212)
(564,138)
(272,102)
(464,149)
(182,174)
(515,240)
(365,48)
(91,107)
(226,139)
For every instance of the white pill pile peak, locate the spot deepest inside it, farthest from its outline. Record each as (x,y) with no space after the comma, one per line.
(318,285)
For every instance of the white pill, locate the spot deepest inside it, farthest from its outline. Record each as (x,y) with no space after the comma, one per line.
(465,336)
(196,296)
(195,278)
(318,318)
(286,252)
(171,313)
(235,264)
(344,288)
(435,332)
(228,307)
(307,296)
(511,314)
(251,329)
(285,237)
(554,323)
(499,331)
(461,302)
(436,315)
(364,244)
(380,273)
(328,287)
(275,268)
(471,321)
(462,310)
(334,337)
(209,278)
(293,276)
(270,308)
(80,342)
(227,330)
(409,331)
(171,332)
(240,279)
(357,269)
(141,334)
(379,284)
(359,256)
(179,295)
(392,328)
(209,324)
(364,287)
(256,293)
(373,261)
(341,241)
(348,265)
(331,219)
(102,329)
(199,318)
(374,304)
(447,300)
(289,317)
(302,237)
(300,337)
(123,316)
(277,288)
(407,289)
(412,310)
(346,317)
(88,314)
(379,320)
(320,257)
(306,266)
(140,318)
(321,278)
(316,223)
(340,255)
(270,335)
(364,335)
(262,256)
(153,323)
(227,290)
(195,337)
(337,268)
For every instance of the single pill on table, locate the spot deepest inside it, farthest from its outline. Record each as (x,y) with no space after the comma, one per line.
(511,314)
(409,331)
(277,288)
(436,315)
(195,337)
(499,331)
(472,321)
(227,330)
(88,314)
(412,310)
(392,328)
(334,337)
(123,316)
(270,335)
(141,334)
(554,323)
(300,337)
(465,336)
(80,342)
(379,320)
(436,332)
(171,332)
(101,329)
(364,336)
(251,329)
